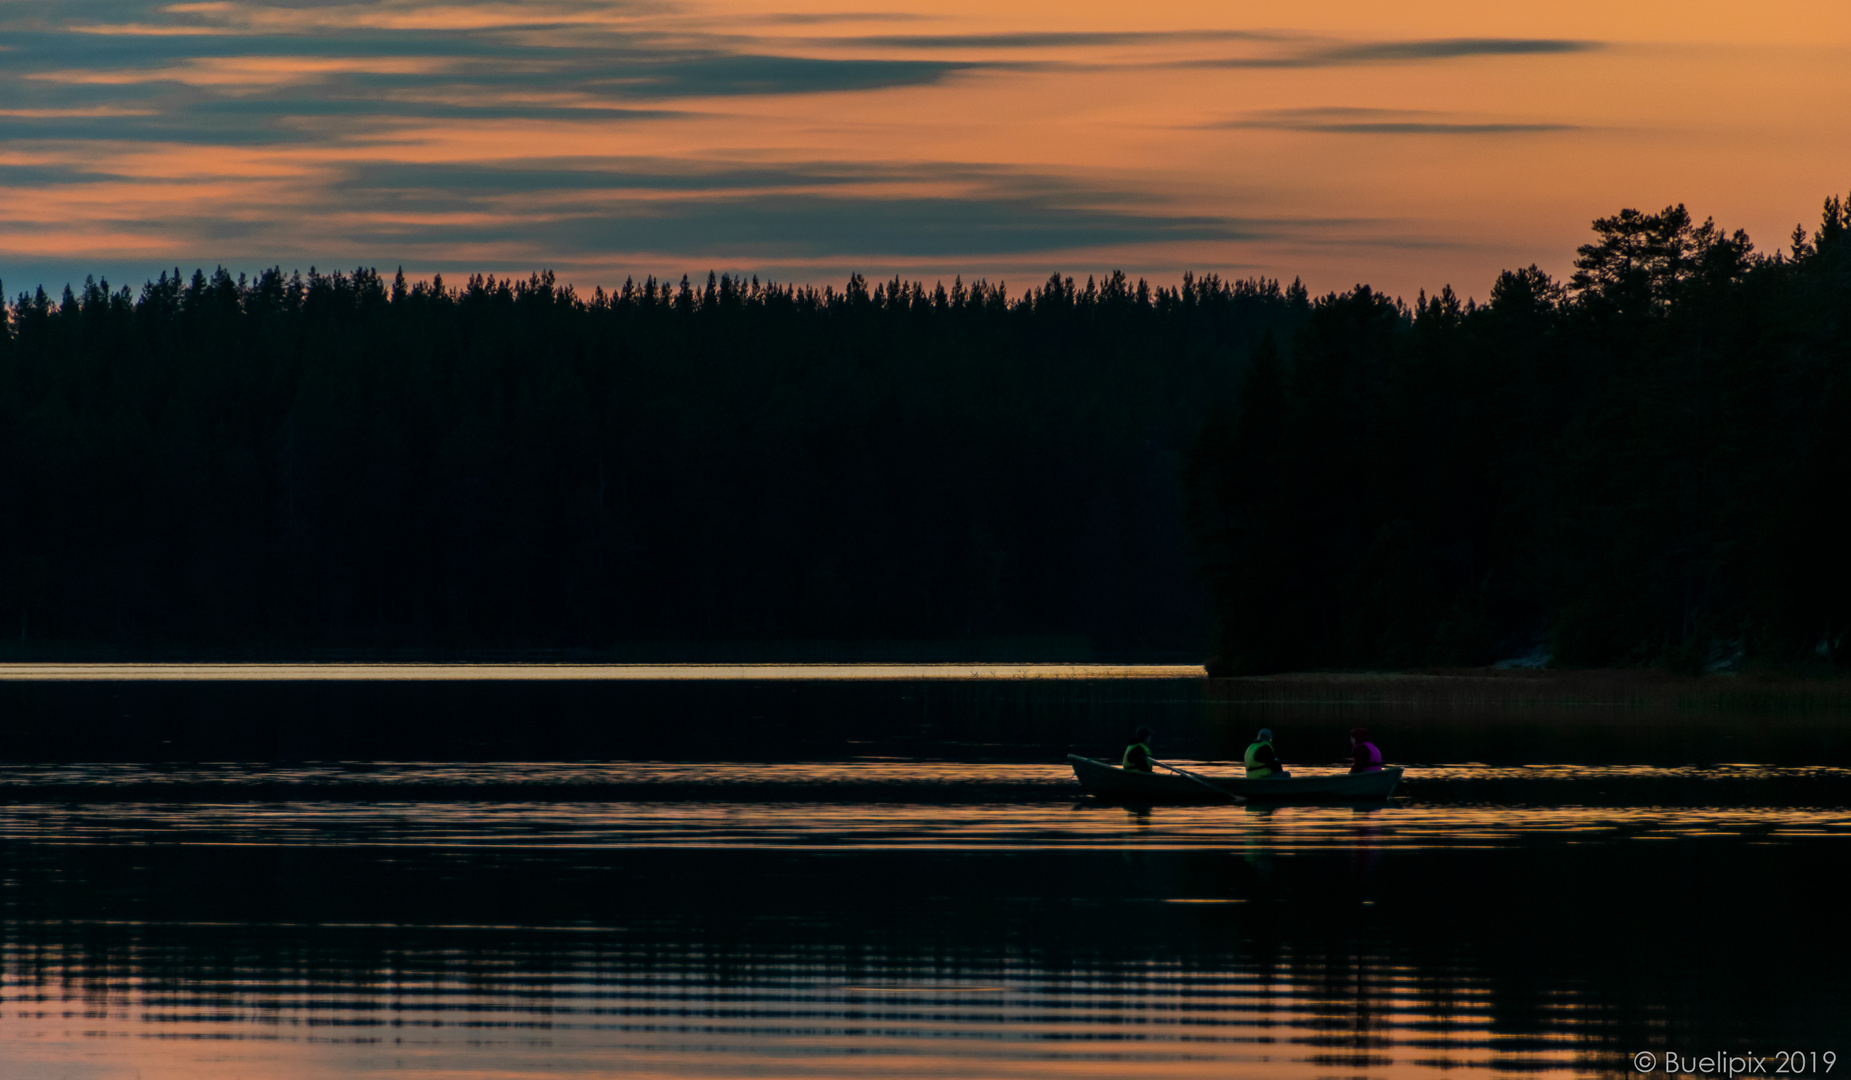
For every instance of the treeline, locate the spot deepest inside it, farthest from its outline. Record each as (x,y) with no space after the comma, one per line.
(343,461)
(1646,463)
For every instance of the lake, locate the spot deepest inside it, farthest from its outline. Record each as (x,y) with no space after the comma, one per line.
(895,876)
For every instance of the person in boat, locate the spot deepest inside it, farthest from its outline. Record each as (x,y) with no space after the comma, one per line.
(1364,756)
(1137,755)
(1262,761)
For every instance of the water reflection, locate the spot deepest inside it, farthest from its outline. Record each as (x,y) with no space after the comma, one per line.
(209,935)
(883,826)
(597,1008)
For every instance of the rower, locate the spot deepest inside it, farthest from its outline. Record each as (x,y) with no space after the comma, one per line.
(1364,756)
(1137,755)
(1262,763)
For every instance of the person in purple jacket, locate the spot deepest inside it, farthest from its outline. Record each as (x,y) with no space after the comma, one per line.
(1364,757)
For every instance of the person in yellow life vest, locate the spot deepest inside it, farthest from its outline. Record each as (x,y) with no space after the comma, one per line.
(1262,763)
(1137,755)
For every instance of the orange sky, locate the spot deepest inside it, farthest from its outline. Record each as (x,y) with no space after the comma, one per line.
(1407,145)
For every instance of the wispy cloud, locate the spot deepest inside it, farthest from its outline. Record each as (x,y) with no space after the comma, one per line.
(1061,40)
(1373,121)
(80,113)
(1271,48)
(248,71)
(818,18)
(762,225)
(1394,52)
(610,132)
(800,209)
(588,209)
(1450,48)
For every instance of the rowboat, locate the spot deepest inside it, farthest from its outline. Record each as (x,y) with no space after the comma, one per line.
(1107,781)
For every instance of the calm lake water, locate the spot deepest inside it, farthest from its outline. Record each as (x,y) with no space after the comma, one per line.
(821,905)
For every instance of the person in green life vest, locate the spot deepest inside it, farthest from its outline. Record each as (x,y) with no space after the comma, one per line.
(1137,755)
(1262,763)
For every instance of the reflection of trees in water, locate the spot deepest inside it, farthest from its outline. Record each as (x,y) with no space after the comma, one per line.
(1548,955)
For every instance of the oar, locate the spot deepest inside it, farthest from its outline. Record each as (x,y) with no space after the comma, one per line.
(1228,795)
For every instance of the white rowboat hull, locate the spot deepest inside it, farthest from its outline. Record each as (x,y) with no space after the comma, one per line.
(1106,781)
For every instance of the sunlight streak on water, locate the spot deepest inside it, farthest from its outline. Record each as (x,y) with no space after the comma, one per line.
(344,672)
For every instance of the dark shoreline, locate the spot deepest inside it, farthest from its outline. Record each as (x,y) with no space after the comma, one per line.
(1494,718)
(1541,688)
(1769,788)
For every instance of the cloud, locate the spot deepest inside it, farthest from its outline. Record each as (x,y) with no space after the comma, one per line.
(333,78)
(718,74)
(1380,52)
(812,18)
(87,112)
(451,186)
(450,182)
(41,175)
(585,209)
(805,226)
(247,71)
(577,209)
(51,71)
(1055,40)
(1449,48)
(1370,121)
(1403,127)
(1274,49)
(547,132)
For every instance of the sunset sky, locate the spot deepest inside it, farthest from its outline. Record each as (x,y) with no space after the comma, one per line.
(1408,145)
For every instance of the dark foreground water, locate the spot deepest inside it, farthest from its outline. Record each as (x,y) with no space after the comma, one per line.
(955,912)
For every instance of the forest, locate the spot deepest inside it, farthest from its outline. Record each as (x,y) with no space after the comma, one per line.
(1644,463)
(284,464)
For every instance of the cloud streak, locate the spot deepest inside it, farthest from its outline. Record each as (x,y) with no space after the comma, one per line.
(794,210)
(503,134)
(1278,49)
(1399,52)
(1454,48)
(1060,40)
(1374,121)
